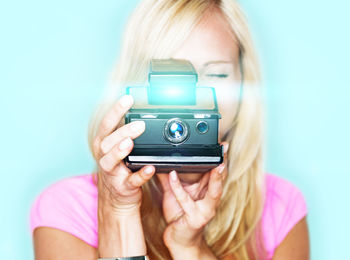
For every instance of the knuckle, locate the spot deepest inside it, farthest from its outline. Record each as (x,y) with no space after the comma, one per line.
(211,215)
(103,147)
(104,166)
(96,142)
(142,176)
(123,191)
(107,124)
(138,180)
(103,144)
(119,154)
(206,213)
(183,198)
(116,154)
(219,194)
(122,131)
(118,108)
(198,223)
(133,180)
(96,145)
(216,194)
(207,217)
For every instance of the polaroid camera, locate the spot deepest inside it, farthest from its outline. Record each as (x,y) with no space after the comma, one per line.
(181,118)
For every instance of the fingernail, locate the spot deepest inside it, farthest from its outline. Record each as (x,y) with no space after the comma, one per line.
(126,101)
(221,168)
(173,175)
(137,126)
(148,170)
(125,143)
(226,148)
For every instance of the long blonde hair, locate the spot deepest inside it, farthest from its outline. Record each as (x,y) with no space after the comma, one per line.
(155,30)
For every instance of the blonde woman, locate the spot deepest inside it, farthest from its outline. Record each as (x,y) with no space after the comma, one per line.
(235,211)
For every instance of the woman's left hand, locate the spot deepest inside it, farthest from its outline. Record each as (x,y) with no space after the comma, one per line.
(187,209)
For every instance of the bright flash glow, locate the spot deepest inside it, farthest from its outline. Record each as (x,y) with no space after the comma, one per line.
(173,91)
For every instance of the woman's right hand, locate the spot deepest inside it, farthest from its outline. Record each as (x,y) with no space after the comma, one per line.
(118,187)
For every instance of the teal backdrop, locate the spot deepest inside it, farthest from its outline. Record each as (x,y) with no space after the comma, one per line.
(55,57)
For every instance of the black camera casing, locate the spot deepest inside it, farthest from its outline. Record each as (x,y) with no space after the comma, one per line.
(193,146)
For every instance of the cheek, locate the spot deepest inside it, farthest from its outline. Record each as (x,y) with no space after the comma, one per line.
(227,93)
(228,100)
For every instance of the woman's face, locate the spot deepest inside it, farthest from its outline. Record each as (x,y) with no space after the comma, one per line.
(213,50)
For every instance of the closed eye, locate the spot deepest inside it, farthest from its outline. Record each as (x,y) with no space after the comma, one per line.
(217,75)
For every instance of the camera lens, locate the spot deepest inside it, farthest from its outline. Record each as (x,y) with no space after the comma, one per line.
(202,127)
(175,131)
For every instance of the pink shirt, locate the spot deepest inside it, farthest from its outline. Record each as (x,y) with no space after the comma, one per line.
(71,205)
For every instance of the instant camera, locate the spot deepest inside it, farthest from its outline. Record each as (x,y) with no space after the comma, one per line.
(181,118)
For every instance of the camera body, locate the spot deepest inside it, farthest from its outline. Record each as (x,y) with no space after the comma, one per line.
(181,118)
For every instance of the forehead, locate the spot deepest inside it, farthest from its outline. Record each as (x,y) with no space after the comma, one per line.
(211,40)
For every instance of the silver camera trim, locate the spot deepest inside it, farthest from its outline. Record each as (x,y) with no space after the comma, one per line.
(172,139)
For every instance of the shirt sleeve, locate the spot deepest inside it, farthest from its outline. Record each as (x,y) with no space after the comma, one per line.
(294,209)
(59,206)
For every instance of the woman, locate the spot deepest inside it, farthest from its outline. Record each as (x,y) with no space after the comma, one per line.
(235,211)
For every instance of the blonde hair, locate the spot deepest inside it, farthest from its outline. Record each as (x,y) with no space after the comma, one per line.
(155,30)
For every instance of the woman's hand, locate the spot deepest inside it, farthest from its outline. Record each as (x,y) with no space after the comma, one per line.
(117,185)
(188,208)
(120,230)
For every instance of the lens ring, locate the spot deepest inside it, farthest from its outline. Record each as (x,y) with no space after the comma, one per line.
(176,131)
(202,127)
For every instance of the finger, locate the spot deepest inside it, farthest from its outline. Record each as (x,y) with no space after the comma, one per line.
(202,193)
(204,180)
(113,117)
(110,122)
(118,153)
(182,197)
(164,181)
(214,192)
(226,146)
(195,189)
(203,184)
(132,130)
(137,179)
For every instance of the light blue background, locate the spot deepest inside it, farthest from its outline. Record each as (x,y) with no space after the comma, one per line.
(55,58)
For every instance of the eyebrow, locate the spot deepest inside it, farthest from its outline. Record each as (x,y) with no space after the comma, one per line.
(216,62)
